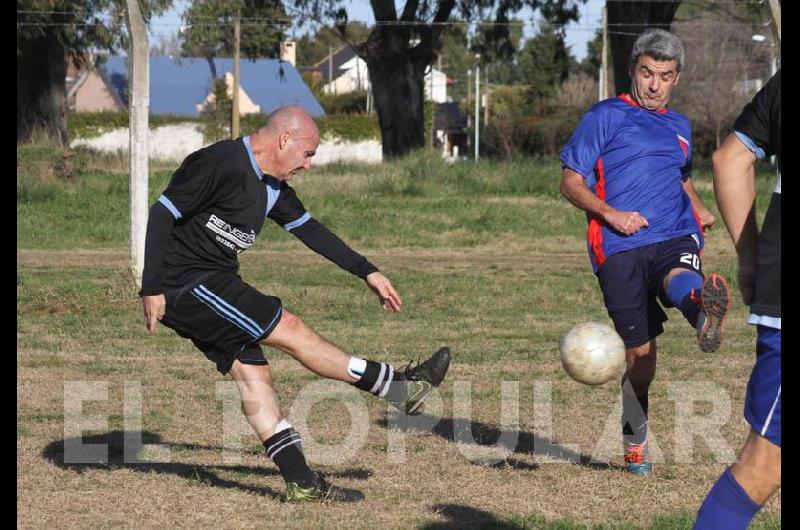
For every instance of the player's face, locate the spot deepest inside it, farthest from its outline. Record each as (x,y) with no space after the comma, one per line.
(298,151)
(652,82)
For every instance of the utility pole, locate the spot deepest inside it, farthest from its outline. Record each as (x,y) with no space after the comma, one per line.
(477,106)
(775,7)
(486,95)
(330,70)
(603,84)
(469,92)
(235,106)
(139,86)
(433,109)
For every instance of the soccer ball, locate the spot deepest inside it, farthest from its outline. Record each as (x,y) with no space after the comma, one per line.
(592,353)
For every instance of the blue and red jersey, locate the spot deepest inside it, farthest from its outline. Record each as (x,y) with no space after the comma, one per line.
(634,159)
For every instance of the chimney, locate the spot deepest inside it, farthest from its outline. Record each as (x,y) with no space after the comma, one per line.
(289,52)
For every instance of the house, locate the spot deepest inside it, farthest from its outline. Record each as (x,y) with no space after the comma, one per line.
(88,89)
(182,85)
(246,105)
(343,71)
(450,129)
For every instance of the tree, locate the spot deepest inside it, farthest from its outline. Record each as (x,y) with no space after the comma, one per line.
(402,46)
(51,32)
(313,48)
(499,47)
(544,63)
(209,29)
(721,73)
(593,61)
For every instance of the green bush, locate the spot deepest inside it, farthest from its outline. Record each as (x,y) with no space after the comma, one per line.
(543,135)
(92,124)
(350,103)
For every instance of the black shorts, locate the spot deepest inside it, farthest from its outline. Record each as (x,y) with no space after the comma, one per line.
(631,284)
(225,318)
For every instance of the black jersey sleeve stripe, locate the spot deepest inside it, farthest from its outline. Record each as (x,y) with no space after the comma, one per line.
(297,222)
(318,238)
(171,207)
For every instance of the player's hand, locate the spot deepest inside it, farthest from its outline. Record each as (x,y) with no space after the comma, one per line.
(747,280)
(626,222)
(381,286)
(706,218)
(154,308)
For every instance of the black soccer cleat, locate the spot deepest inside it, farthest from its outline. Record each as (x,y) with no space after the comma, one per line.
(321,491)
(423,378)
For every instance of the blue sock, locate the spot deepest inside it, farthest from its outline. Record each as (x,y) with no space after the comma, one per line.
(679,294)
(726,506)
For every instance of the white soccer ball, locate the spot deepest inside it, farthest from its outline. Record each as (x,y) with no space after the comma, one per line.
(592,353)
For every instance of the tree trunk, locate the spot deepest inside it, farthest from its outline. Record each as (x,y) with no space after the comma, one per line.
(212,67)
(628,20)
(41,89)
(398,93)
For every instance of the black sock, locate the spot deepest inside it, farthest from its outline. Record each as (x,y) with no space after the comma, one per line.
(285,449)
(382,380)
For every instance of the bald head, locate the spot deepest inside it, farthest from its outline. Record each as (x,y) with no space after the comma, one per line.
(293,120)
(285,144)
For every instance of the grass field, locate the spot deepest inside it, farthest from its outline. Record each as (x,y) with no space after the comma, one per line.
(489,260)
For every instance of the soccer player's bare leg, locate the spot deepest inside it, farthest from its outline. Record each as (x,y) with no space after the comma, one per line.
(758,468)
(259,400)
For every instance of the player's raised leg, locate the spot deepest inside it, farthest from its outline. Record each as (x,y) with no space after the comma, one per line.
(406,389)
(704,303)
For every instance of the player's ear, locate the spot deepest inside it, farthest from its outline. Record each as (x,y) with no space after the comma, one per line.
(283,139)
(677,78)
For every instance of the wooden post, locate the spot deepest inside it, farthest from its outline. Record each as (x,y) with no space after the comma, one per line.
(776,16)
(139,86)
(235,99)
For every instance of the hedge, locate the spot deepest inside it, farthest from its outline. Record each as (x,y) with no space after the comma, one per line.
(350,127)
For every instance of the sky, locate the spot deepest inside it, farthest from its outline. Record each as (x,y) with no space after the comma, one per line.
(577,35)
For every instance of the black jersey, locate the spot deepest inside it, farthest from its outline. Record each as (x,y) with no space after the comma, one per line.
(218,199)
(220,204)
(760,121)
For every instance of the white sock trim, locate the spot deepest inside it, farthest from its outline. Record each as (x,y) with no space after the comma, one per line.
(387,383)
(356,368)
(281,426)
(377,385)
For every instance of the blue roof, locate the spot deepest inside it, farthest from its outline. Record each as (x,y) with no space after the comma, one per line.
(176,85)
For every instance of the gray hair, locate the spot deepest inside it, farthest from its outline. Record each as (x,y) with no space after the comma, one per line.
(659,44)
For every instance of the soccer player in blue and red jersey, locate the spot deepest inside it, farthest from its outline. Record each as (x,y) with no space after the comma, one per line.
(628,166)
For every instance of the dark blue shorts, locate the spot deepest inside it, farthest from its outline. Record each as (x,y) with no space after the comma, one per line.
(631,284)
(762,404)
(225,318)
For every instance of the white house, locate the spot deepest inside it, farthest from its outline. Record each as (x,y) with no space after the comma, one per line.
(344,72)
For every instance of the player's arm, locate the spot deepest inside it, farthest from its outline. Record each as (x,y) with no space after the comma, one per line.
(290,213)
(574,188)
(707,218)
(321,240)
(733,165)
(160,223)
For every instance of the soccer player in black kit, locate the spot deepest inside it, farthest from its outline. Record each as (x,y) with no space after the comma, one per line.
(211,211)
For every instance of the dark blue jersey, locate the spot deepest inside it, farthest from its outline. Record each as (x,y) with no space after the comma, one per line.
(635,160)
